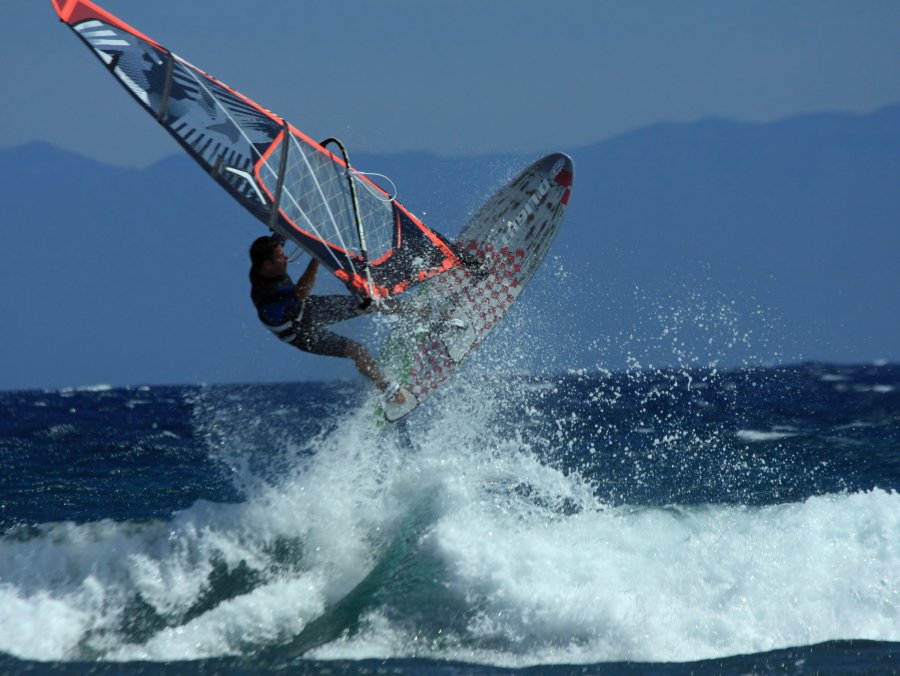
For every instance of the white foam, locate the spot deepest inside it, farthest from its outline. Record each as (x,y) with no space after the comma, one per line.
(877,389)
(39,627)
(756,435)
(665,585)
(87,388)
(265,616)
(548,572)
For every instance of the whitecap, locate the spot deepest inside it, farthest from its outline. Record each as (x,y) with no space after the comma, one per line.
(756,435)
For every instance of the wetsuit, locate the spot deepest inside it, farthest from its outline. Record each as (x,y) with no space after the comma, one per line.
(302,323)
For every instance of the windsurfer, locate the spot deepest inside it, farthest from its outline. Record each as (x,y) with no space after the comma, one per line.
(301,319)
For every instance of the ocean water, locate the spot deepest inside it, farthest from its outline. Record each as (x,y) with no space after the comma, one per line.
(645,521)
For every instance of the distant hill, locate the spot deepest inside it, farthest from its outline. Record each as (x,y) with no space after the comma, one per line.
(712,242)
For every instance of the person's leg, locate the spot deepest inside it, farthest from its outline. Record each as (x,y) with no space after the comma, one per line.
(322,311)
(329,344)
(364,363)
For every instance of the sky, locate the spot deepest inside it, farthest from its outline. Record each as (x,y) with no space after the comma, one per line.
(460,77)
(456,78)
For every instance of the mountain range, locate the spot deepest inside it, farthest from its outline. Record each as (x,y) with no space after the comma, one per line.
(713,243)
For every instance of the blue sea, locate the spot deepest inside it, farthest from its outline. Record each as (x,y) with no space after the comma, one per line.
(686,521)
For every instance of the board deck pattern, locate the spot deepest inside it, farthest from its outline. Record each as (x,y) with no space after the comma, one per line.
(482,305)
(505,243)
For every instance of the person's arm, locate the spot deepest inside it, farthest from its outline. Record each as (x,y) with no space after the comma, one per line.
(307,280)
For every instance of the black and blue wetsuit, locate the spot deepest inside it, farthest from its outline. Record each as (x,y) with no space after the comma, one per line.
(303,324)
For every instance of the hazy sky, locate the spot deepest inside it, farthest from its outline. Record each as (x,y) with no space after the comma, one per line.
(460,77)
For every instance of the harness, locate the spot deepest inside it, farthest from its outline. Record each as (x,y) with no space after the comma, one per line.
(290,329)
(276,305)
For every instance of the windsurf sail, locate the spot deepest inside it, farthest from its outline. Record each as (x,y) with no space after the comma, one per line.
(294,185)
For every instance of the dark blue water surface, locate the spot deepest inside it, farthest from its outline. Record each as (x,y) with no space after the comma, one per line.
(170,529)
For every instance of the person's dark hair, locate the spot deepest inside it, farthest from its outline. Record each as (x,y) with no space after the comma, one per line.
(262,249)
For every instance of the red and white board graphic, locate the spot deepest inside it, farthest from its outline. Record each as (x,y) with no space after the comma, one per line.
(503,245)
